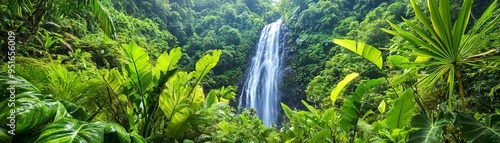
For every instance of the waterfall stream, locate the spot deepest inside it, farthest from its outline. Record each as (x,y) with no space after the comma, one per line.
(260,90)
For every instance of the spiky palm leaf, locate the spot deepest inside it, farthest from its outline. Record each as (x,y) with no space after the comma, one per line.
(445,42)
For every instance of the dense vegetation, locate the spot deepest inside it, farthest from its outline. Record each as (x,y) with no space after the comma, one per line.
(167,70)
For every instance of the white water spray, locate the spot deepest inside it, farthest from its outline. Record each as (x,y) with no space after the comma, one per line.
(260,90)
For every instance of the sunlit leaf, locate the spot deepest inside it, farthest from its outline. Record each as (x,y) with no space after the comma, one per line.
(400,115)
(71,130)
(381,106)
(368,52)
(335,92)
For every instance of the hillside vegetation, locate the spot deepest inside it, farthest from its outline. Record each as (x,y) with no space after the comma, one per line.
(170,70)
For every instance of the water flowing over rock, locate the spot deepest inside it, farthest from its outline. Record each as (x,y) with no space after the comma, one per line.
(261,89)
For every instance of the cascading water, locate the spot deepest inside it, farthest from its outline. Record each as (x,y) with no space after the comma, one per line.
(260,90)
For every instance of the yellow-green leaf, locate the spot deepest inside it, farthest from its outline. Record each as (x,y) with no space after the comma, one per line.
(368,52)
(381,106)
(335,92)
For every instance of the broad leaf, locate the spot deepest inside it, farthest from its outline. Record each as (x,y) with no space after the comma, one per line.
(114,132)
(366,51)
(138,69)
(71,130)
(204,65)
(32,110)
(396,60)
(428,130)
(477,132)
(167,61)
(287,110)
(210,100)
(400,115)
(341,85)
(179,123)
(352,106)
(76,111)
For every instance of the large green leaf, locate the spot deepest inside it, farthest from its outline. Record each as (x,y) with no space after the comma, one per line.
(477,132)
(400,115)
(31,110)
(76,111)
(341,85)
(138,69)
(352,106)
(287,110)
(174,98)
(73,131)
(204,65)
(179,123)
(114,132)
(210,100)
(165,67)
(428,130)
(20,84)
(167,61)
(368,52)
(103,16)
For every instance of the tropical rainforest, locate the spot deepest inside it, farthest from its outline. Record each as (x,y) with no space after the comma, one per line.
(89,71)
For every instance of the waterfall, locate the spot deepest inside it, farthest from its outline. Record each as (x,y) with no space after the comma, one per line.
(260,90)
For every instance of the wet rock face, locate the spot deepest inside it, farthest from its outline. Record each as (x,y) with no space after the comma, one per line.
(291,93)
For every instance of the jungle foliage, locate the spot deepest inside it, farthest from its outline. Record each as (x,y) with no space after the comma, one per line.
(167,70)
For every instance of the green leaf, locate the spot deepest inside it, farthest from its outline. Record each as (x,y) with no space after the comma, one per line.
(179,123)
(76,111)
(31,110)
(287,110)
(71,130)
(204,65)
(103,16)
(352,106)
(335,92)
(321,136)
(136,138)
(493,90)
(138,69)
(312,109)
(477,132)
(5,137)
(428,130)
(210,100)
(366,51)
(400,115)
(168,61)
(381,106)
(396,60)
(114,132)
(244,120)
(174,98)
(226,127)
